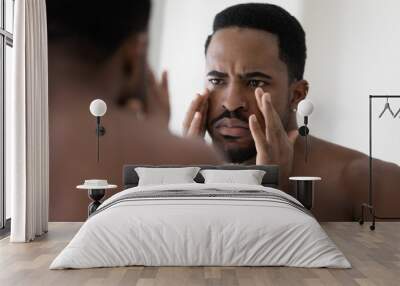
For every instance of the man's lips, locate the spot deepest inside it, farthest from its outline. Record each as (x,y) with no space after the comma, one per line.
(233,131)
(232,127)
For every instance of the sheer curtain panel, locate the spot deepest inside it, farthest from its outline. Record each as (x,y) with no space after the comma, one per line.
(27,122)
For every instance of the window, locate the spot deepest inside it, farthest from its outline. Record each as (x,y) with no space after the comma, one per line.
(6,63)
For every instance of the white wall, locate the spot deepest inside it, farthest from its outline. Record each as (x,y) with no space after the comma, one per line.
(156,30)
(353,51)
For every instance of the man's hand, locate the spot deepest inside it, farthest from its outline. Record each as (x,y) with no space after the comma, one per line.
(158,98)
(194,124)
(275,145)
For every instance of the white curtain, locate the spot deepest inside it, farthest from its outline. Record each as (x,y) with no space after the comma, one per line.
(27,122)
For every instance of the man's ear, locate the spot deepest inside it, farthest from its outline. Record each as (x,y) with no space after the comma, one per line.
(133,55)
(133,67)
(299,92)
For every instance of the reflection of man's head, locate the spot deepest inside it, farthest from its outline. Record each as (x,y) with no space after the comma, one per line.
(107,40)
(252,45)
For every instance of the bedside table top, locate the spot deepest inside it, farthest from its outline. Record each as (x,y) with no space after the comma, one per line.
(305,178)
(96,184)
(87,187)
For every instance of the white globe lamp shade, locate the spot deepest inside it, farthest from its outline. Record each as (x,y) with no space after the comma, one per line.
(98,107)
(305,107)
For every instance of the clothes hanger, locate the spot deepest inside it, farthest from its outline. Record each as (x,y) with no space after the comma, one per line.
(387,107)
(397,113)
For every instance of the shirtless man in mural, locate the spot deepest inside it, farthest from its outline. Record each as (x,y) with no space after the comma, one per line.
(255,62)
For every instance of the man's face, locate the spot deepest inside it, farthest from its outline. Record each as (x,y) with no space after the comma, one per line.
(238,61)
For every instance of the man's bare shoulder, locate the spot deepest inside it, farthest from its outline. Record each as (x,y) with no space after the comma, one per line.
(334,150)
(359,167)
(150,143)
(355,163)
(337,159)
(191,150)
(196,151)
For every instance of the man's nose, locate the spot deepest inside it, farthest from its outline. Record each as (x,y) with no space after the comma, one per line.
(234,98)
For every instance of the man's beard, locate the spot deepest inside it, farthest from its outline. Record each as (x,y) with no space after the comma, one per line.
(234,154)
(240,155)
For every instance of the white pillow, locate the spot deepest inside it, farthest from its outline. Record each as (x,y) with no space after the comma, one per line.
(248,177)
(162,176)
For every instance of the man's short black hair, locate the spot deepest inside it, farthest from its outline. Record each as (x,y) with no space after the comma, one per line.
(273,19)
(104,25)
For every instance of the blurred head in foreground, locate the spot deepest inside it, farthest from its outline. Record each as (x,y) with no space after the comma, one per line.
(101,44)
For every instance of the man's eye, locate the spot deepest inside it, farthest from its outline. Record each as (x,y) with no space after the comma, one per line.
(256,83)
(216,81)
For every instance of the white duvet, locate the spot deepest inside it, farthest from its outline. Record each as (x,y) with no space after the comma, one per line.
(200,231)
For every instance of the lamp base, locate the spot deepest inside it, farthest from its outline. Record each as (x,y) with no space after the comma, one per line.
(95,195)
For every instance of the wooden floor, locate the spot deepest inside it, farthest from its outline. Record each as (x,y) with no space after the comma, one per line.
(375,257)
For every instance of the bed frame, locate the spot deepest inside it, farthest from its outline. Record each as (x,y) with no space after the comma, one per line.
(130,178)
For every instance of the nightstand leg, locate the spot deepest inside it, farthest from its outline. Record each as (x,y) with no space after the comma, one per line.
(95,195)
(305,193)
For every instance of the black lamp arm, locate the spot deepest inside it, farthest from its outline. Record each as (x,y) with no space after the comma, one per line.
(100,130)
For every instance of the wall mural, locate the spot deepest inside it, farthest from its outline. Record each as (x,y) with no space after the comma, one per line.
(255,108)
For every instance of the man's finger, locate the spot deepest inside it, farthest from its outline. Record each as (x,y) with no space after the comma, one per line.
(194,106)
(197,104)
(152,91)
(204,115)
(164,87)
(273,123)
(258,94)
(204,107)
(293,135)
(268,118)
(195,126)
(151,78)
(258,135)
(204,101)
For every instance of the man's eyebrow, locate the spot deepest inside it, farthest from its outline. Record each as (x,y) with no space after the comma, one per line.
(217,74)
(256,74)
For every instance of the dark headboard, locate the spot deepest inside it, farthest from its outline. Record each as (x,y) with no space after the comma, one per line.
(271,178)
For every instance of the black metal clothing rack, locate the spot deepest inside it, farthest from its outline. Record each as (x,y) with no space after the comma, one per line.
(369,206)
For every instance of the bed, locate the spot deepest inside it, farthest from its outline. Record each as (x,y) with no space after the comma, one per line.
(201,224)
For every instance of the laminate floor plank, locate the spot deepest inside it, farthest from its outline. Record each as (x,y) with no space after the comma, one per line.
(374,255)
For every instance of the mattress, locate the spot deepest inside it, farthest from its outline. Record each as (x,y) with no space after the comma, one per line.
(201,225)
